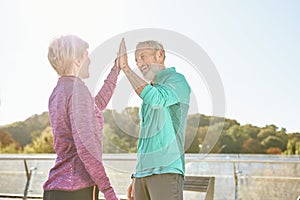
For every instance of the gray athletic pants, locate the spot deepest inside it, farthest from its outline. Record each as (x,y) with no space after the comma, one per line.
(159,187)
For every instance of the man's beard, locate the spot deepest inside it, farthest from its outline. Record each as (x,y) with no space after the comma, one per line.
(151,74)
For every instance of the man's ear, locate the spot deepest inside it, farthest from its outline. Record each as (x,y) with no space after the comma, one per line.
(160,54)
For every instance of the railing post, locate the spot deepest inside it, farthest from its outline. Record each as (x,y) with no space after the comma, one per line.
(28,175)
(235,182)
(26,169)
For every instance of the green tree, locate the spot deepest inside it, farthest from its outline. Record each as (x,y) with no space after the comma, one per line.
(274,150)
(293,145)
(284,139)
(192,138)
(273,141)
(251,131)
(252,146)
(229,123)
(239,136)
(265,132)
(112,143)
(297,148)
(21,131)
(228,144)
(124,127)
(41,144)
(8,144)
(211,141)
(11,148)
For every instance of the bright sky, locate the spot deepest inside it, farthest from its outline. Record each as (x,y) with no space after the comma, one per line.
(254,45)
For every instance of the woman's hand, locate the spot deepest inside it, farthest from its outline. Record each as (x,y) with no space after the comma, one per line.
(122,60)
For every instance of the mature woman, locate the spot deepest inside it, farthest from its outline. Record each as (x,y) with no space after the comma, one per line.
(77,125)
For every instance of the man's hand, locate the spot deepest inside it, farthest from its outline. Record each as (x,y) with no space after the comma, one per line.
(137,83)
(122,56)
(130,191)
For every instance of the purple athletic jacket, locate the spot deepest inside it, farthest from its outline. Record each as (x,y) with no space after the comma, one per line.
(77,126)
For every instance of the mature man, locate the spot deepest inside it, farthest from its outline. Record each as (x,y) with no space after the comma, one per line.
(160,156)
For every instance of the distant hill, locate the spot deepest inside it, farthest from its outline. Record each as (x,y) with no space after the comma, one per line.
(203,133)
(6,140)
(22,131)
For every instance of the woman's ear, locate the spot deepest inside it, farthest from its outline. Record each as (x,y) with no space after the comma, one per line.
(77,62)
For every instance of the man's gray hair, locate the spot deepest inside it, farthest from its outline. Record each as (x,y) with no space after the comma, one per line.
(150,44)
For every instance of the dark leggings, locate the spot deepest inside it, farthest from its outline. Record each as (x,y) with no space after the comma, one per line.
(90,193)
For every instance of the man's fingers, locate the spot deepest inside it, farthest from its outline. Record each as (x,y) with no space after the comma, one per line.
(130,194)
(122,55)
(122,48)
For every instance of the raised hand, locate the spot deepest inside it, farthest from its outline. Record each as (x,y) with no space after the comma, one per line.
(137,83)
(122,56)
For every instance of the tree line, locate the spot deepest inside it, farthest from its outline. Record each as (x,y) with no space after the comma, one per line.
(219,135)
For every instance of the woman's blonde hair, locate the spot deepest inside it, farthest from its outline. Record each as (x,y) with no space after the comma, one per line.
(64,50)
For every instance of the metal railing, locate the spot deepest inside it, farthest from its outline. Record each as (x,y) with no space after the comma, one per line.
(236,159)
(29,171)
(190,158)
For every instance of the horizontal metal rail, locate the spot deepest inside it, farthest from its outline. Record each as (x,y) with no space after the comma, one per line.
(188,158)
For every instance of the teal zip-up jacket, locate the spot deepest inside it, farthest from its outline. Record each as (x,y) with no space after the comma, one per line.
(163,117)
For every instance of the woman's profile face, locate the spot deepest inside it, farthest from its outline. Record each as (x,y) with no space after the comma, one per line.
(85,63)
